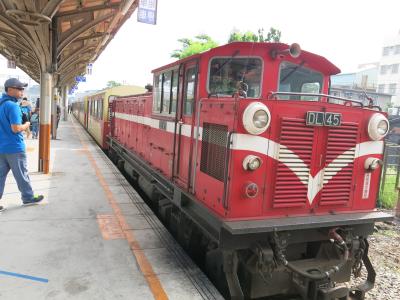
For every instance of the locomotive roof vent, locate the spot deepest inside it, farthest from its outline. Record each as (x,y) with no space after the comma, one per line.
(294,51)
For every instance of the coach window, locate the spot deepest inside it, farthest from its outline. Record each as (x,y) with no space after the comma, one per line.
(189,91)
(298,79)
(100,108)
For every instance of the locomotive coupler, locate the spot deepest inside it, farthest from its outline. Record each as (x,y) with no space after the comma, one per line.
(266,263)
(315,284)
(358,293)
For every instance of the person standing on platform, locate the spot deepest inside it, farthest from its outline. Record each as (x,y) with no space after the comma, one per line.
(26,109)
(12,145)
(35,123)
(58,114)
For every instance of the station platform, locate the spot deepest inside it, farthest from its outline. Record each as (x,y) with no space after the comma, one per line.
(92,237)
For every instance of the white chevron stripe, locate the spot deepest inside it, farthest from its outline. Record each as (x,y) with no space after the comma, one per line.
(272,149)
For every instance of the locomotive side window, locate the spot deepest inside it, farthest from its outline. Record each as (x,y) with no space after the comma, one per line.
(157,93)
(298,79)
(189,91)
(165,92)
(166,95)
(226,73)
(174,90)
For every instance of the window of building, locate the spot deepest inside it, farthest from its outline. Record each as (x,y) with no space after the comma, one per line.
(397,49)
(395,68)
(348,95)
(384,69)
(381,88)
(386,51)
(392,88)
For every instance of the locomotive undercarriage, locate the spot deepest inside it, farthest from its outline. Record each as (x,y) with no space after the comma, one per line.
(306,261)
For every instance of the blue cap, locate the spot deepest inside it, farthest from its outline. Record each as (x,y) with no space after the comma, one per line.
(14,82)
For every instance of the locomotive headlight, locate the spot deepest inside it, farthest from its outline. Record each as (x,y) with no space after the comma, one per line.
(260,118)
(378,127)
(251,162)
(383,127)
(372,163)
(256,118)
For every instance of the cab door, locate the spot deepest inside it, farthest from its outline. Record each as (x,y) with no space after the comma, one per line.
(184,128)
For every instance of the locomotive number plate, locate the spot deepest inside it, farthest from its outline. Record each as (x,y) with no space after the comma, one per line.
(317,118)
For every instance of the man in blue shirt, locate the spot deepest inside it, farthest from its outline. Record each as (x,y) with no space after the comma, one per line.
(12,146)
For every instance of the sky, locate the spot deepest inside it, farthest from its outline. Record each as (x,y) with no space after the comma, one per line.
(347,32)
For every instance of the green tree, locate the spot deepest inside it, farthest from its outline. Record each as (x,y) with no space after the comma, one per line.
(274,35)
(112,83)
(200,44)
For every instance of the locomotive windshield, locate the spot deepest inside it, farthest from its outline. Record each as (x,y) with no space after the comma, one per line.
(227,73)
(298,79)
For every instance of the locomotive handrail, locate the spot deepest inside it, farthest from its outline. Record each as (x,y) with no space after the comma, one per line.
(272,94)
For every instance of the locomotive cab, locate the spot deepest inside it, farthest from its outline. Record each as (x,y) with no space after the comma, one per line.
(274,143)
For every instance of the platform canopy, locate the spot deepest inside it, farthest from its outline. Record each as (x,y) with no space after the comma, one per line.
(59,36)
(53,41)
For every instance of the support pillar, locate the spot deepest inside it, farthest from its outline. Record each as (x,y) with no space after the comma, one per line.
(45,120)
(65,102)
(54,103)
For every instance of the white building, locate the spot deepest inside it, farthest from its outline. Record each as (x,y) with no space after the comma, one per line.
(360,86)
(389,73)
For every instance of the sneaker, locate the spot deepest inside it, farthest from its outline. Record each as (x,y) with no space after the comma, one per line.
(36,199)
(2,208)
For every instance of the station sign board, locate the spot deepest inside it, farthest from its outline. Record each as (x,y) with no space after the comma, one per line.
(11,64)
(80,78)
(89,69)
(147,11)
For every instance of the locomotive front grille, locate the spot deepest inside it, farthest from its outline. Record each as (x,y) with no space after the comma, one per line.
(214,150)
(295,154)
(338,175)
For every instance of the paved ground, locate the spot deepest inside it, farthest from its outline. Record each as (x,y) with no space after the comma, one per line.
(92,237)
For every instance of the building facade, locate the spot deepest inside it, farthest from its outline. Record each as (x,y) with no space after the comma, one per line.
(389,73)
(360,86)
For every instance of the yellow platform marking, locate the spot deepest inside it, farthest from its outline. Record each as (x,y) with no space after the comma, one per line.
(144,265)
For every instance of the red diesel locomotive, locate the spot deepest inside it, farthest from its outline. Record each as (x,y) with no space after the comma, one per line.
(257,169)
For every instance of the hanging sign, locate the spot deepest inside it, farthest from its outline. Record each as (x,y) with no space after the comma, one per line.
(11,64)
(147,11)
(80,79)
(89,69)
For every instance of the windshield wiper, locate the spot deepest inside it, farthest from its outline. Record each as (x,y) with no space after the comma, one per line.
(228,61)
(294,70)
